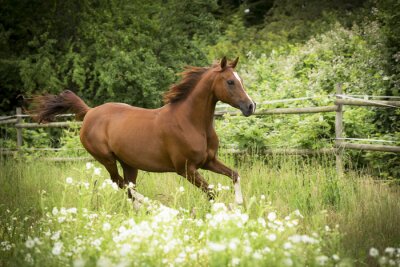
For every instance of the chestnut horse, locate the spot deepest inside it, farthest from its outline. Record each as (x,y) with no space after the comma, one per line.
(178,137)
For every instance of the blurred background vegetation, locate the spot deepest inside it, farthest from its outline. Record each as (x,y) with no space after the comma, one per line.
(130,51)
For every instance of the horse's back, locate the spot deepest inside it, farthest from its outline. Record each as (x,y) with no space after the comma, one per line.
(119,119)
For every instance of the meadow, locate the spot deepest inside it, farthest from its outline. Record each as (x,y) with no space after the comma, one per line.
(297,212)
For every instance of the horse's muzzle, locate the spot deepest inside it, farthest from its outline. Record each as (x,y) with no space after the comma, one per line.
(248,108)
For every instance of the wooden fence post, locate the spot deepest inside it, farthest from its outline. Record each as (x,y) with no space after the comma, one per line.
(339,132)
(19,130)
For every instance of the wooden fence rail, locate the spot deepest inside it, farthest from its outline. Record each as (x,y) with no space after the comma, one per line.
(48,125)
(370,103)
(283,111)
(339,144)
(381,148)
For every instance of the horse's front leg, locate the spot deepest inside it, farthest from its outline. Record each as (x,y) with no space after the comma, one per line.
(196,179)
(216,166)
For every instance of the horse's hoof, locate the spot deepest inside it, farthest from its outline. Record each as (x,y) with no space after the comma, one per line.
(136,205)
(239,202)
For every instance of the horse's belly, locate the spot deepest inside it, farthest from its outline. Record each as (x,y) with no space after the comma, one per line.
(146,160)
(143,150)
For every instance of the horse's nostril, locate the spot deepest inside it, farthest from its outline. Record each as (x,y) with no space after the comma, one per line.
(251,107)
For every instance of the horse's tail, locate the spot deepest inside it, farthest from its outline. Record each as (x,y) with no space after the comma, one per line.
(46,107)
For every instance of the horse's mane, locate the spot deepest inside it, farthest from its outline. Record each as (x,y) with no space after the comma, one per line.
(191,76)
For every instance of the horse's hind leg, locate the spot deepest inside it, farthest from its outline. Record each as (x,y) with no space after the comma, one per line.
(130,175)
(110,164)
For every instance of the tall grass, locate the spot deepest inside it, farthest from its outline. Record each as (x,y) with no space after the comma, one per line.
(349,215)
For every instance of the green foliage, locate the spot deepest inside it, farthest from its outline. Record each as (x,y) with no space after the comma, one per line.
(354,57)
(38,138)
(129,52)
(312,70)
(113,50)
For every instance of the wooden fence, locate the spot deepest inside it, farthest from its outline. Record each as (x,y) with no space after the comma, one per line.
(339,145)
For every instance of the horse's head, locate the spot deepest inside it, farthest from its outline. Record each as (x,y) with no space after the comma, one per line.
(228,88)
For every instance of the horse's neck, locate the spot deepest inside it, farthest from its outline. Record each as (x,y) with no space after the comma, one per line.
(200,106)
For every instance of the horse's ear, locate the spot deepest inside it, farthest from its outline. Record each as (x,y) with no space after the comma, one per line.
(223,63)
(234,63)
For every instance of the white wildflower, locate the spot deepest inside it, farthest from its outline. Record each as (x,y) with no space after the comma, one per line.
(106,226)
(30,243)
(266,250)
(335,257)
(254,234)
(96,243)
(28,258)
(297,213)
(322,260)
(218,207)
(257,255)
(261,221)
(287,245)
(89,165)
(271,216)
(181,257)
(235,261)
(244,217)
(181,189)
(287,262)
(233,243)
(216,246)
(219,187)
(97,171)
(79,262)
(72,210)
(262,197)
(373,252)
(57,248)
(201,235)
(54,211)
(114,186)
(69,180)
(272,237)
(125,249)
(104,262)
(6,245)
(390,250)
(247,249)
(383,261)
(56,236)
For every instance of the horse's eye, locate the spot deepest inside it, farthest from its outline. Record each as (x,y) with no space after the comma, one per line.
(230,82)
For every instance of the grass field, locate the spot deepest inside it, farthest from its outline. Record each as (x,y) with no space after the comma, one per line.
(297,212)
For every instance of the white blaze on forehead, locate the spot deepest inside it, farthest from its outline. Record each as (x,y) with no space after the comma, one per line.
(237,77)
(240,80)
